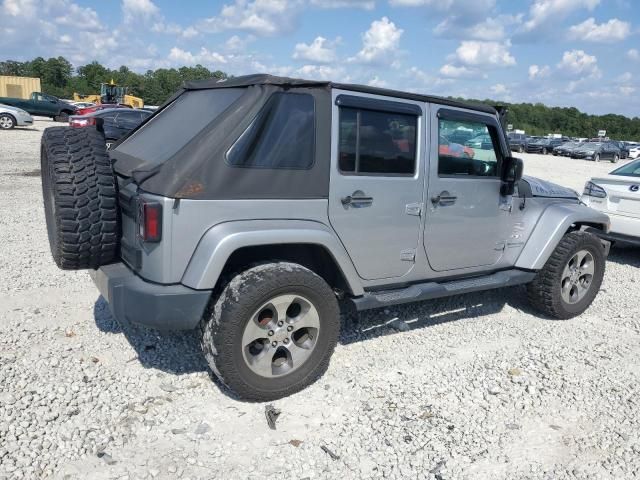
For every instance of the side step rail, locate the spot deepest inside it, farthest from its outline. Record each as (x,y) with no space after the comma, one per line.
(431,290)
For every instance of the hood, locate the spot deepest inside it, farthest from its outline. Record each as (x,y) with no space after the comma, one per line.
(543,188)
(9,107)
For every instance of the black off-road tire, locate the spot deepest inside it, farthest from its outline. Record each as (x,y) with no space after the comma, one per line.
(80,198)
(544,291)
(226,317)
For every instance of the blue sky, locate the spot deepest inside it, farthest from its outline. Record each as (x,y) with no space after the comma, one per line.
(582,53)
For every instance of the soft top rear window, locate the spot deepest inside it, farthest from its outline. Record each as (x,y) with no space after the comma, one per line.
(177,124)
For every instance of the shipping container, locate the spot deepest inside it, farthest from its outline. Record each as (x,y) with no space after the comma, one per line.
(18,87)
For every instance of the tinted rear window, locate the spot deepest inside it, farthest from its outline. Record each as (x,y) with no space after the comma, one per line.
(630,170)
(177,124)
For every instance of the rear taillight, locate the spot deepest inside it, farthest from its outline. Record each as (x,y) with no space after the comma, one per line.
(593,190)
(82,122)
(150,222)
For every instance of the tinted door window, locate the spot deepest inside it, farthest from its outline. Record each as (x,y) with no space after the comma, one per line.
(281,136)
(479,157)
(377,143)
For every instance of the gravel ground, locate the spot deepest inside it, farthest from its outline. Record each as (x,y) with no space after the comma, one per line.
(474,386)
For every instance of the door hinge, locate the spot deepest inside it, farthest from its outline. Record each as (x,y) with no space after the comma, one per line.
(408,255)
(414,209)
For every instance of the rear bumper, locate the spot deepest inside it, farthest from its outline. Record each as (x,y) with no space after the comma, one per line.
(135,301)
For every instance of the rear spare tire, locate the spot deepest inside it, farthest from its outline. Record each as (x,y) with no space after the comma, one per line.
(80,198)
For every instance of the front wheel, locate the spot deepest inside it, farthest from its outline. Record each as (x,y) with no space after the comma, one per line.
(615,159)
(7,122)
(544,151)
(271,331)
(571,278)
(596,158)
(63,117)
(521,149)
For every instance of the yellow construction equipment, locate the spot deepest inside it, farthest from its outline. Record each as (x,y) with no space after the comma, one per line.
(110,93)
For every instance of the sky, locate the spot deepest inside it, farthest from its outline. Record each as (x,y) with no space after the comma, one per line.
(581,53)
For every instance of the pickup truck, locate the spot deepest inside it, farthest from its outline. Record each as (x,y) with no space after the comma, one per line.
(43,105)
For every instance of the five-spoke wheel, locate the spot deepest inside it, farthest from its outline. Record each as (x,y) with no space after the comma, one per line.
(577,276)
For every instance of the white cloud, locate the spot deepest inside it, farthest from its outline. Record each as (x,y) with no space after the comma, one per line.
(491,28)
(174,29)
(236,43)
(377,82)
(320,50)
(627,90)
(134,10)
(543,11)
(320,72)
(452,71)
(261,17)
(613,31)
(20,8)
(535,71)
(499,89)
(380,43)
(203,57)
(578,62)
(363,4)
(633,54)
(484,54)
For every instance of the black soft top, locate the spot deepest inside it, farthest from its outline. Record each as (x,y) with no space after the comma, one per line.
(285,82)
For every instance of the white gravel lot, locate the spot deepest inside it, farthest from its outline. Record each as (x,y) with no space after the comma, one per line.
(480,386)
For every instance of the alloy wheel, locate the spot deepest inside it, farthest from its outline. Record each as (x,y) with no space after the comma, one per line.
(577,276)
(6,122)
(281,335)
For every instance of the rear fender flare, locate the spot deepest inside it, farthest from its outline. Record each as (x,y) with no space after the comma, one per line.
(219,243)
(556,220)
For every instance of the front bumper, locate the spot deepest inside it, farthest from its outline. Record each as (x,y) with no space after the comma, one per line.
(135,301)
(24,120)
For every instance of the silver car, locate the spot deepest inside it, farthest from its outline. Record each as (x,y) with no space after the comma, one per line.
(11,117)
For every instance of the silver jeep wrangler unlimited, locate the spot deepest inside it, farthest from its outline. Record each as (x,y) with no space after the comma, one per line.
(247,207)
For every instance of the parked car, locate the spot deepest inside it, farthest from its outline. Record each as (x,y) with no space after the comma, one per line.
(42,105)
(566,148)
(517,142)
(11,117)
(634,150)
(247,208)
(618,195)
(543,145)
(597,151)
(80,105)
(482,142)
(95,108)
(115,124)
(622,146)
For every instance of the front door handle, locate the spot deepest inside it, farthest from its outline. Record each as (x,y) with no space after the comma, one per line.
(357,199)
(444,199)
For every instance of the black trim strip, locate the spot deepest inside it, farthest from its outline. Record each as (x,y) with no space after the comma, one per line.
(367,103)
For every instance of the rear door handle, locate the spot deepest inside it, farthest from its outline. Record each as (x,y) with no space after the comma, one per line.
(444,199)
(357,199)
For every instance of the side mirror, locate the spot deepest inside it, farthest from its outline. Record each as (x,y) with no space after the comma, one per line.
(511,174)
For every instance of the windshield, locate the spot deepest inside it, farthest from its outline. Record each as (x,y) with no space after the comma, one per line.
(170,130)
(591,145)
(630,170)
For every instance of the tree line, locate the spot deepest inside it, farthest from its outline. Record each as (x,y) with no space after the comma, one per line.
(58,77)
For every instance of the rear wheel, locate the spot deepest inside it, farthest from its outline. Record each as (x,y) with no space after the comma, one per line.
(615,158)
(521,149)
(271,331)
(62,117)
(7,122)
(544,151)
(571,278)
(596,158)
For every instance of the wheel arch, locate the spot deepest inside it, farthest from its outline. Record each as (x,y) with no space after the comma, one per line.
(556,221)
(229,247)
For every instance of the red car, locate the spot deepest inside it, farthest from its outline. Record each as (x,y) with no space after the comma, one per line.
(95,108)
(450,149)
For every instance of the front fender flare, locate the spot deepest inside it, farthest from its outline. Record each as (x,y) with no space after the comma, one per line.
(554,222)
(220,241)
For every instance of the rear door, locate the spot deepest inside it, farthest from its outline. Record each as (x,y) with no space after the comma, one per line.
(376,191)
(466,222)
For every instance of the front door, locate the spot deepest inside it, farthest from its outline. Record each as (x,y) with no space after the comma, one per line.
(466,225)
(376,190)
